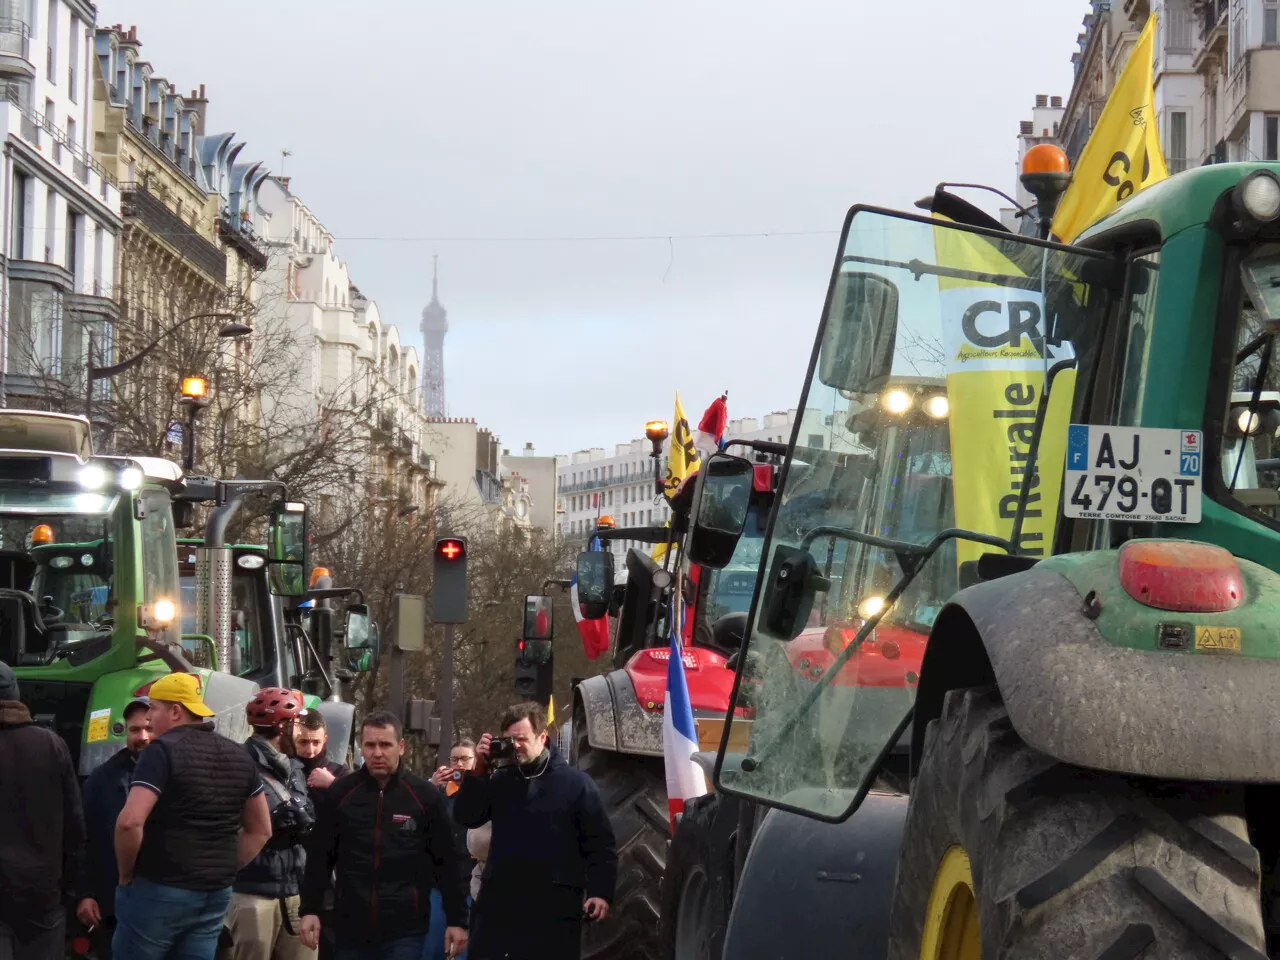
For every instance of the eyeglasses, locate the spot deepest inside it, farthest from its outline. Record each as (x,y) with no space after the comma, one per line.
(457,761)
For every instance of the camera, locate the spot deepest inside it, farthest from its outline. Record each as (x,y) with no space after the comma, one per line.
(502,752)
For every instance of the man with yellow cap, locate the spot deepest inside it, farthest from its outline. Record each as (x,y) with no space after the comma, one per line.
(195,815)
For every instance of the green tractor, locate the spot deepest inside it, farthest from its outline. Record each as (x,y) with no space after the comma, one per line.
(90,602)
(1093,758)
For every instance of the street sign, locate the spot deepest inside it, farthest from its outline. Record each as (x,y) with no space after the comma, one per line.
(449,592)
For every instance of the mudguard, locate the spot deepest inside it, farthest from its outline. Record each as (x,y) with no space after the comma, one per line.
(339,721)
(810,889)
(1082,700)
(615,719)
(227,695)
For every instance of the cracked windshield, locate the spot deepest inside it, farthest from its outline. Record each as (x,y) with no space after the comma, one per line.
(931,374)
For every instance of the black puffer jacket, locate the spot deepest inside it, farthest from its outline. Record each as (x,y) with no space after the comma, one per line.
(278,870)
(389,846)
(41,820)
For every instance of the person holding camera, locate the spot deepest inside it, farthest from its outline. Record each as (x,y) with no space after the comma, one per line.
(552,855)
(263,920)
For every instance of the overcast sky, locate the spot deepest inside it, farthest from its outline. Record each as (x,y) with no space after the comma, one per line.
(519,140)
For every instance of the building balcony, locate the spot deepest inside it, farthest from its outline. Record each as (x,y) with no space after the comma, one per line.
(15,49)
(144,208)
(239,236)
(1213,34)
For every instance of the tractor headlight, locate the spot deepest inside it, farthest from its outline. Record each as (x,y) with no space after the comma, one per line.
(896,402)
(93,477)
(869,607)
(937,406)
(1258,196)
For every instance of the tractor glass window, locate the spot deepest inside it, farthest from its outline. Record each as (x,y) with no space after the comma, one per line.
(159,548)
(1250,445)
(931,369)
(248,649)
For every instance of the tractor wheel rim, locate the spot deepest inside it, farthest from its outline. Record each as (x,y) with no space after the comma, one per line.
(691,933)
(951,918)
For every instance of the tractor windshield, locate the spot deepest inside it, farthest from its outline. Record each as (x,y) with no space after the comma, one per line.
(930,378)
(1250,444)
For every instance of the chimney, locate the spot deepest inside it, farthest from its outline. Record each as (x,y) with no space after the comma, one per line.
(1042,100)
(198,105)
(1055,102)
(528,450)
(1026,128)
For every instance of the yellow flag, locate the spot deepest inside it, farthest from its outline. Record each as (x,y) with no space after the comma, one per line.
(551,711)
(682,455)
(1123,154)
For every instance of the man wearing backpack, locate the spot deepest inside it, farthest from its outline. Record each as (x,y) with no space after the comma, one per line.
(262,921)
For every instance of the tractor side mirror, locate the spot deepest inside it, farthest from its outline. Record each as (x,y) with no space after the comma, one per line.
(287,549)
(859,332)
(360,636)
(595,582)
(538,618)
(721,503)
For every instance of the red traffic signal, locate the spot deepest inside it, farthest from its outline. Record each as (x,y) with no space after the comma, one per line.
(451,549)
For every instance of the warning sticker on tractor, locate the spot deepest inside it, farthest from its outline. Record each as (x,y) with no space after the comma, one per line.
(1226,639)
(99,725)
(1132,473)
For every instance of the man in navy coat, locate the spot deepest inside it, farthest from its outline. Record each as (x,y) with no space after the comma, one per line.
(552,857)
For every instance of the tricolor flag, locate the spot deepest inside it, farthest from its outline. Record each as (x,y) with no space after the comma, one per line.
(679,737)
(594,633)
(709,437)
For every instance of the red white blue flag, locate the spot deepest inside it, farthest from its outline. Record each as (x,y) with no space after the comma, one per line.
(685,779)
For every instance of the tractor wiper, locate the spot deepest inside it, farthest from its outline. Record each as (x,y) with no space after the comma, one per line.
(918,268)
(911,557)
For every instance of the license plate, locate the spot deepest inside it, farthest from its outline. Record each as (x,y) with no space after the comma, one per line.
(1133,473)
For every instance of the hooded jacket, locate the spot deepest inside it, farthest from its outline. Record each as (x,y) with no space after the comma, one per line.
(43,822)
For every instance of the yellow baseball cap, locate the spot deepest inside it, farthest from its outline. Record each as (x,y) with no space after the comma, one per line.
(183,688)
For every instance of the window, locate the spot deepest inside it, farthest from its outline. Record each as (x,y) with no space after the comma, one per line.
(51,54)
(1235,46)
(50,218)
(35,329)
(21,192)
(73,55)
(1271,137)
(1270,21)
(99,242)
(73,242)
(1177,141)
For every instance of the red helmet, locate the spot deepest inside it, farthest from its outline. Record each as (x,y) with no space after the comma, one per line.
(274,705)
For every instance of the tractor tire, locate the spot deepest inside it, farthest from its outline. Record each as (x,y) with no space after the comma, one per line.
(1009,854)
(697,892)
(634,790)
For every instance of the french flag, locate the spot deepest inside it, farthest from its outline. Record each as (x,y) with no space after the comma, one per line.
(679,737)
(594,633)
(709,437)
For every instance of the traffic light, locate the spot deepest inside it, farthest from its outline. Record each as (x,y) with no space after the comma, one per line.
(449,594)
(535,671)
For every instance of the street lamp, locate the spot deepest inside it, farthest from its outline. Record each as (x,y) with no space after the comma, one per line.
(195,396)
(234,327)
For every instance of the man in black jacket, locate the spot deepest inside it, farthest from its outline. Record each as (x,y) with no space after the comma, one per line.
(104,795)
(387,835)
(552,857)
(41,831)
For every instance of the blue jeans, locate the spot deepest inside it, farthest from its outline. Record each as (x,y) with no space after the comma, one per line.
(433,949)
(406,948)
(158,922)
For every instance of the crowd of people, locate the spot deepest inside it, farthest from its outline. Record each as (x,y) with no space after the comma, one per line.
(186,845)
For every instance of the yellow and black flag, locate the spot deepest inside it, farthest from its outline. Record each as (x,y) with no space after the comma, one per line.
(682,455)
(1123,154)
